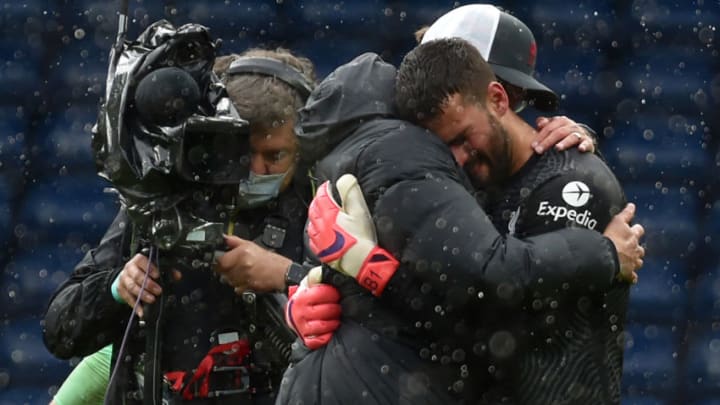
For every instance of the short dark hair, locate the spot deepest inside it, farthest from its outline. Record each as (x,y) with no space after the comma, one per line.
(435,70)
(265,101)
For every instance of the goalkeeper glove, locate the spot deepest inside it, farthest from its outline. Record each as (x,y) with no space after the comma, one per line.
(342,235)
(313,311)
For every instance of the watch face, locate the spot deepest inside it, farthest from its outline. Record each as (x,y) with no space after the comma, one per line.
(295,274)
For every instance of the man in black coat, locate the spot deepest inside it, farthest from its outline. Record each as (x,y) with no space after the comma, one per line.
(416,343)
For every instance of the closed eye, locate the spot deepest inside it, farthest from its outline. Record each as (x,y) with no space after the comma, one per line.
(276,156)
(458,140)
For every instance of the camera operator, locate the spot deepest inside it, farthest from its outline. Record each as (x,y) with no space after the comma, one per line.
(204,311)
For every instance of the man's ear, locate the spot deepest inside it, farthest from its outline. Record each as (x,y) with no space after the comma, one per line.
(497,99)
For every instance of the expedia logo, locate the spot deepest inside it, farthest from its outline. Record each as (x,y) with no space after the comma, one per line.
(558,212)
(575,194)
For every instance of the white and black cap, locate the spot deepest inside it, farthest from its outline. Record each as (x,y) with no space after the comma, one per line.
(505,42)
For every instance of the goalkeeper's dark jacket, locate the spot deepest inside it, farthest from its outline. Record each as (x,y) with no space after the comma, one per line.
(82,316)
(569,342)
(421,342)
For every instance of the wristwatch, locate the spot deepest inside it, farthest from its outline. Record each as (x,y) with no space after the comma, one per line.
(294,274)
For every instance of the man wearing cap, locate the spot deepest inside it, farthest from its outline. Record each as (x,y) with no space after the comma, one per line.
(508,45)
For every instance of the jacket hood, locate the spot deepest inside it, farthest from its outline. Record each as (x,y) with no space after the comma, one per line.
(355,92)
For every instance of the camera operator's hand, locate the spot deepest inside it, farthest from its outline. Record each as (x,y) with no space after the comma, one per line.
(130,281)
(247,266)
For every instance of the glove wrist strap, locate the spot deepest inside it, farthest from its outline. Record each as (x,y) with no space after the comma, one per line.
(377,270)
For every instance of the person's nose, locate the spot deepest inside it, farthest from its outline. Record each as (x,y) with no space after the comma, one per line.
(462,153)
(257,164)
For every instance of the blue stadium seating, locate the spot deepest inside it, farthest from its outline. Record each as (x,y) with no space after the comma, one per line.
(65,209)
(661,294)
(31,277)
(19,81)
(649,363)
(256,20)
(17,17)
(582,24)
(670,217)
(643,400)
(711,230)
(651,148)
(81,72)
(705,299)
(329,54)
(634,161)
(90,13)
(25,396)
(21,346)
(14,50)
(13,132)
(577,76)
(21,29)
(321,19)
(667,22)
(710,400)
(9,194)
(677,78)
(66,148)
(703,362)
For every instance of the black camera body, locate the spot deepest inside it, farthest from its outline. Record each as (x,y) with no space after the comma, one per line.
(166,132)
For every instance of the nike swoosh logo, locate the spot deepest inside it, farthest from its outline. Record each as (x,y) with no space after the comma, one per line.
(338,244)
(290,317)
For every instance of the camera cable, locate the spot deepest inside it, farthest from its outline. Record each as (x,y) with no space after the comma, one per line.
(121,351)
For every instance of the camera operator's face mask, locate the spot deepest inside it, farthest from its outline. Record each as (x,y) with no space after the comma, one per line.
(260,189)
(272,165)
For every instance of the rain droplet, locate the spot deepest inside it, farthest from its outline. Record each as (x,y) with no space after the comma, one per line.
(458,386)
(706,35)
(441,223)
(458,355)
(502,344)
(79,33)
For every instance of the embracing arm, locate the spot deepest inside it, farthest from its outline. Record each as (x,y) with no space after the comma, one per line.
(446,242)
(82,315)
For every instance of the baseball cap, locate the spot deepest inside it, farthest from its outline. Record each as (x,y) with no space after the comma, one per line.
(506,43)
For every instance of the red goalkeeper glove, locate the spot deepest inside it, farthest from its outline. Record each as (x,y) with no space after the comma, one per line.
(313,310)
(342,235)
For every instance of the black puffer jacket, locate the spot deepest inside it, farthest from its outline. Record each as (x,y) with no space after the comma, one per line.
(417,343)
